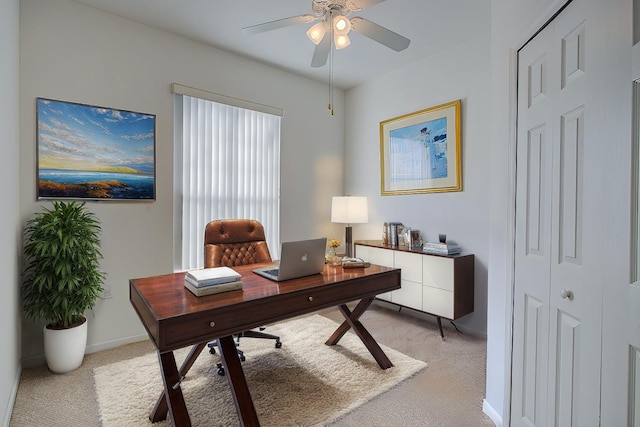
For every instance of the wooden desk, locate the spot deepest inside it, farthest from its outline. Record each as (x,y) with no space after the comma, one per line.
(174,318)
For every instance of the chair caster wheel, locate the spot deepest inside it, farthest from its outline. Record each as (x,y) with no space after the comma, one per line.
(212,350)
(278,344)
(220,369)
(242,358)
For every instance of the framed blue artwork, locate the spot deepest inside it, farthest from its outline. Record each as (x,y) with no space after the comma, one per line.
(94,153)
(420,152)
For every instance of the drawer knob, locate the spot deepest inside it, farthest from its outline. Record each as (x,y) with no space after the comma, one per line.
(212,324)
(310,299)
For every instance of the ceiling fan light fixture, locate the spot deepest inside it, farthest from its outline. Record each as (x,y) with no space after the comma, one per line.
(341,41)
(316,32)
(341,25)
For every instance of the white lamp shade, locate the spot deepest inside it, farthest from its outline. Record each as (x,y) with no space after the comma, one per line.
(341,41)
(349,210)
(316,32)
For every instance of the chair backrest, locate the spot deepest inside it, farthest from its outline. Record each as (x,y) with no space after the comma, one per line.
(231,242)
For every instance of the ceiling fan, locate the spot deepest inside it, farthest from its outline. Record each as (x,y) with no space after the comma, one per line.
(332,15)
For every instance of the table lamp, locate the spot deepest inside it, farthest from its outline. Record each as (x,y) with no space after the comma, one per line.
(349,210)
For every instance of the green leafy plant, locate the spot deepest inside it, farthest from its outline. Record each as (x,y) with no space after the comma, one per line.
(62,278)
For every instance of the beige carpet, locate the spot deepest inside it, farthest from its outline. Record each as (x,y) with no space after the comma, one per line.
(304,383)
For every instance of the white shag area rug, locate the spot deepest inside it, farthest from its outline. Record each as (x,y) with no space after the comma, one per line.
(304,383)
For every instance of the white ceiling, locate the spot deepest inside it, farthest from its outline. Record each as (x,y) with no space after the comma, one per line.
(431,25)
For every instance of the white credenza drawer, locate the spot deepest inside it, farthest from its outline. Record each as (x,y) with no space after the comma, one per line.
(409,294)
(437,272)
(437,301)
(377,256)
(434,284)
(410,264)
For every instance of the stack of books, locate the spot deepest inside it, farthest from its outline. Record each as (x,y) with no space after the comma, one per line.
(209,281)
(441,248)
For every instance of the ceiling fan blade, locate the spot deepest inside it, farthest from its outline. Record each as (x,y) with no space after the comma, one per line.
(321,52)
(380,34)
(356,5)
(279,23)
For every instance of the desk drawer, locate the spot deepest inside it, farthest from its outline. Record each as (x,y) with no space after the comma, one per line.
(201,327)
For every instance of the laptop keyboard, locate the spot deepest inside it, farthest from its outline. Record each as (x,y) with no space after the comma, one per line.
(273,272)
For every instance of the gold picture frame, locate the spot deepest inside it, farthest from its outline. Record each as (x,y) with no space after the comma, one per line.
(420,152)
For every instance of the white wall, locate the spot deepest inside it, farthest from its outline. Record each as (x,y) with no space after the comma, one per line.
(76,53)
(10,232)
(462,216)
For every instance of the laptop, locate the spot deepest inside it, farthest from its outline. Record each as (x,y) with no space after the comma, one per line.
(297,259)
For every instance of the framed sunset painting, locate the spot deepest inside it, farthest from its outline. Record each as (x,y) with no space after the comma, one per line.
(95,153)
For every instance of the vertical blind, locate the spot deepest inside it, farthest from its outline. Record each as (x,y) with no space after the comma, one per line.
(230,168)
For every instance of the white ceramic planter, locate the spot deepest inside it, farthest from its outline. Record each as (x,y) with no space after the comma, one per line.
(64,348)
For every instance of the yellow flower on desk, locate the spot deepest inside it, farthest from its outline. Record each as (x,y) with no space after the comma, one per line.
(332,257)
(334,243)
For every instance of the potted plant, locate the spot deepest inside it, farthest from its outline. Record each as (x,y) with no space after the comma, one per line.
(62,279)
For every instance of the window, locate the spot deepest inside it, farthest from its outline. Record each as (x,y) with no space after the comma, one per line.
(227,165)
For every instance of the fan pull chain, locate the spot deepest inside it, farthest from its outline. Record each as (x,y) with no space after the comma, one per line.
(331,82)
(331,62)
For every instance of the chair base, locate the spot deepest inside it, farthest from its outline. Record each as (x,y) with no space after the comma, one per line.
(248,334)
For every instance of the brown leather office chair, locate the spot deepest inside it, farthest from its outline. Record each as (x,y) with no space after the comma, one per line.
(233,242)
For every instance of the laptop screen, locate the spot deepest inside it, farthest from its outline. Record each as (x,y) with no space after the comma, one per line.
(298,259)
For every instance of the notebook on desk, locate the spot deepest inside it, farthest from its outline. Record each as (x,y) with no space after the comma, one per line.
(297,259)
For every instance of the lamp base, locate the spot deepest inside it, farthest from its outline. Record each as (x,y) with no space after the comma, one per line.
(348,242)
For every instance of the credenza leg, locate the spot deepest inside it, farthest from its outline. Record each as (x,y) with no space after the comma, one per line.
(238,383)
(352,322)
(439,320)
(161,408)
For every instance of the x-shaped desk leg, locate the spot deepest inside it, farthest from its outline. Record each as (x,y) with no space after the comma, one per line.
(171,378)
(237,381)
(352,322)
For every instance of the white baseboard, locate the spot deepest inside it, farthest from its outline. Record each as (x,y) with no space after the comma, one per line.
(29,362)
(491,413)
(12,397)
(94,348)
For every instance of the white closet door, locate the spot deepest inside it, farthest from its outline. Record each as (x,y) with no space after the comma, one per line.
(533,231)
(558,279)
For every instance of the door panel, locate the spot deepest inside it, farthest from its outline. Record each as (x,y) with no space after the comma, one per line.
(533,233)
(571,184)
(576,281)
(567,381)
(634,355)
(534,360)
(558,283)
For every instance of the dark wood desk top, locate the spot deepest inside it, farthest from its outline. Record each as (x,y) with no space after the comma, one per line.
(175,318)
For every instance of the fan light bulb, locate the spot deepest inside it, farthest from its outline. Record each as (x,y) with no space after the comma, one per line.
(341,25)
(316,33)
(341,41)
